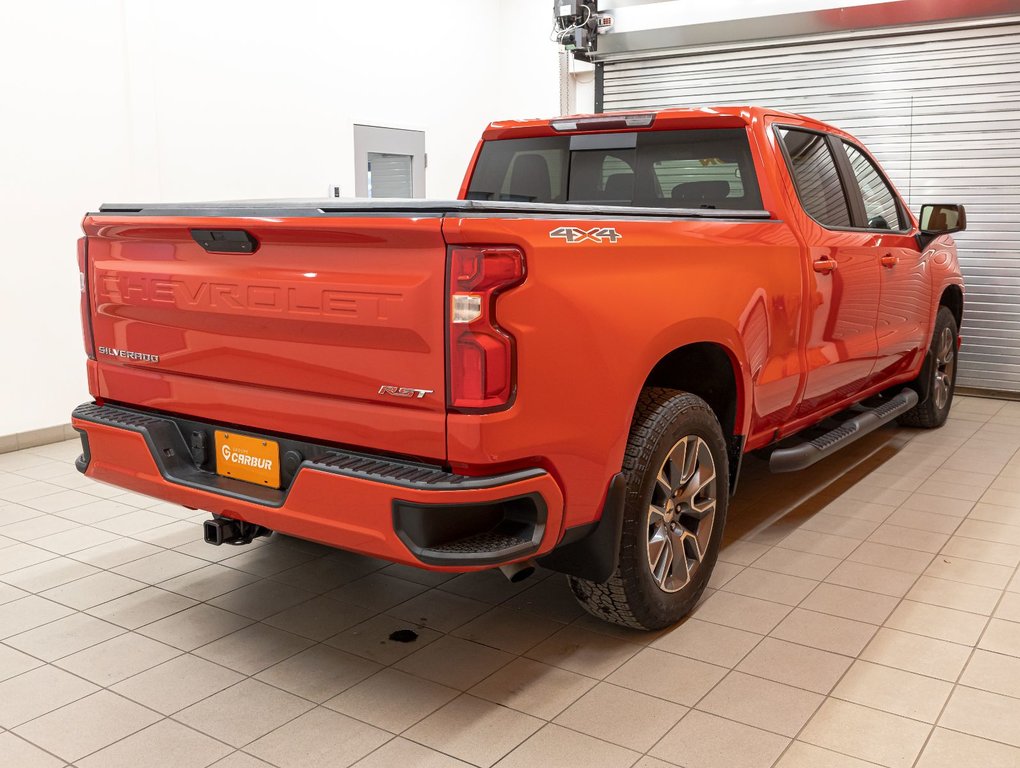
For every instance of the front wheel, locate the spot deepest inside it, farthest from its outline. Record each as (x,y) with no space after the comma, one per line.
(675,508)
(941,374)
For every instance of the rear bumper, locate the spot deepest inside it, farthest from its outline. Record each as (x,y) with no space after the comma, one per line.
(389,508)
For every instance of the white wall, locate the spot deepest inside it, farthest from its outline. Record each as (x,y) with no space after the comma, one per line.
(142,100)
(684,12)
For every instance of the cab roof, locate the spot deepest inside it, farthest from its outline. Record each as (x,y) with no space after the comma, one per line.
(652,119)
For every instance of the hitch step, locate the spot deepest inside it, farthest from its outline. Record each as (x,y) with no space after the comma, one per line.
(223,530)
(807,453)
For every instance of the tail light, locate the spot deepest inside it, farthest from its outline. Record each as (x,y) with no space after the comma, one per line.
(86,312)
(482,357)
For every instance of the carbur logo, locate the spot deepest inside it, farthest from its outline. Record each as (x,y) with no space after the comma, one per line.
(244,459)
(595,234)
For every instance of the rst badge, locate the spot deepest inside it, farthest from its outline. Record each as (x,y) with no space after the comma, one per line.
(385,389)
(594,235)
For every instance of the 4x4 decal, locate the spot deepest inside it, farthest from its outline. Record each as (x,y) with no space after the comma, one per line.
(595,234)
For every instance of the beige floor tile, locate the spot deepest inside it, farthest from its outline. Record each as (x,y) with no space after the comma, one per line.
(208,582)
(243,712)
(893,690)
(938,622)
(116,552)
(712,643)
(194,627)
(767,585)
(377,591)
(64,636)
(741,612)
(850,603)
(820,544)
(490,586)
(86,725)
(74,540)
(653,762)
(954,594)
(827,633)
(796,665)
(27,613)
(533,688)
(37,692)
(795,563)
(318,738)
(872,578)
(176,684)
(801,755)
(723,574)
(92,590)
(889,740)
(993,672)
(942,503)
(949,749)
(1000,636)
(563,748)
(319,618)
(667,676)
(861,510)
(372,639)
(970,572)
(165,744)
(839,526)
(253,648)
(117,659)
(454,662)
(1009,607)
(407,753)
(630,719)
(702,740)
(914,653)
(508,630)
(392,700)
(15,752)
(261,599)
(924,521)
(984,551)
(742,552)
(14,663)
(142,607)
(318,673)
(585,652)
(267,560)
(983,714)
(48,574)
(474,730)
(550,598)
(763,704)
(995,513)
(895,558)
(160,567)
(439,610)
(989,531)
(909,538)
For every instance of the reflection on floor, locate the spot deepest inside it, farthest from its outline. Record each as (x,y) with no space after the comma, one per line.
(864,612)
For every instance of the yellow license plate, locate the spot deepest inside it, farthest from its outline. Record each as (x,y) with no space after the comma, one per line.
(252,459)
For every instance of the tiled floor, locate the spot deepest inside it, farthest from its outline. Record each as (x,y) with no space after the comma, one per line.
(864,612)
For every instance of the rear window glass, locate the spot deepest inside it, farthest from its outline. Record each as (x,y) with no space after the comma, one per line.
(672,169)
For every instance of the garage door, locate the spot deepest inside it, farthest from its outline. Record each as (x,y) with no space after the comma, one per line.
(941,111)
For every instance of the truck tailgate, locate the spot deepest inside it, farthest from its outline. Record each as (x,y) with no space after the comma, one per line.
(321,331)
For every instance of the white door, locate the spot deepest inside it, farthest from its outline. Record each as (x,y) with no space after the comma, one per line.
(389,162)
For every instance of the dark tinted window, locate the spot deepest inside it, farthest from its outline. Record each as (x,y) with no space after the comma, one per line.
(814,172)
(674,169)
(879,200)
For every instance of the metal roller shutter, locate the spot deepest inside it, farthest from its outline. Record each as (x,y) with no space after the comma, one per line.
(940,109)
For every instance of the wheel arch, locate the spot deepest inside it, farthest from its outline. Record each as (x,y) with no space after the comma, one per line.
(952,297)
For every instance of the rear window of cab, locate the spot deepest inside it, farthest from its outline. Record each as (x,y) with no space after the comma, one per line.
(661,169)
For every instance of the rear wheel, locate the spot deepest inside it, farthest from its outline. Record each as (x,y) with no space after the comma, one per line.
(677,493)
(941,374)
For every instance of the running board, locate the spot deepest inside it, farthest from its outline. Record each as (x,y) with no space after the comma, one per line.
(807,453)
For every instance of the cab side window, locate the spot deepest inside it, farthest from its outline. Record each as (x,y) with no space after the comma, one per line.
(880,206)
(814,172)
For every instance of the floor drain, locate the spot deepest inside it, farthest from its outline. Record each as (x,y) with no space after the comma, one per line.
(404,636)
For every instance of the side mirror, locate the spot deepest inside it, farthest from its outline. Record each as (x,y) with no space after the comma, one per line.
(942,218)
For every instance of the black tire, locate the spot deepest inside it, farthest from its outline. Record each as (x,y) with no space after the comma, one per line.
(941,373)
(632,597)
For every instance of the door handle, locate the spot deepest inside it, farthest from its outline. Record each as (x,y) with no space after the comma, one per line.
(889,260)
(825,265)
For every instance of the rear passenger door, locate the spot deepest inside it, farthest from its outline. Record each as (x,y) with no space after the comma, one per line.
(842,296)
(905,303)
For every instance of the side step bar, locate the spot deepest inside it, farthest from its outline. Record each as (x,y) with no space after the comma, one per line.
(807,453)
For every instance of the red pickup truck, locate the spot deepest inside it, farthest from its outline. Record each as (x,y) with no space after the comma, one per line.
(563,366)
